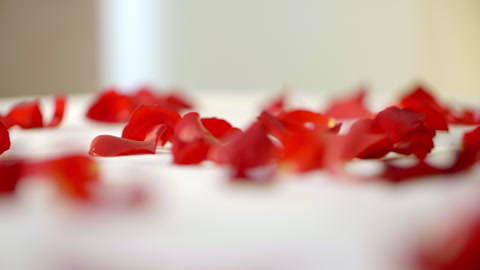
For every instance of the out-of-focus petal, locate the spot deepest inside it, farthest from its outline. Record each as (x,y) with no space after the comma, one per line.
(60,103)
(191,140)
(423,102)
(25,115)
(110,146)
(407,131)
(305,120)
(4,138)
(348,107)
(111,107)
(218,127)
(247,151)
(75,175)
(144,118)
(10,174)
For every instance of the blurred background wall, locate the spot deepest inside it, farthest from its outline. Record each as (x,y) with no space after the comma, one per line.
(54,46)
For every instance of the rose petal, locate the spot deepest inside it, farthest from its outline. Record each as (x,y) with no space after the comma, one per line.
(218,127)
(74,175)
(111,107)
(304,120)
(144,118)
(110,146)
(421,101)
(348,107)
(10,174)
(191,140)
(26,115)
(247,151)
(407,131)
(4,138)
(60,103)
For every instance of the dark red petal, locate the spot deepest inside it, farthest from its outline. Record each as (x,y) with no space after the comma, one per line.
(26,115)
(374,149)
(111,107)
(459,250)
(144,118)
(304,120)
(407,131)
(60,102)
(348,107)
(10,174)
(110,146)
(4,138)
(218,127)
(421,101)
(74,175)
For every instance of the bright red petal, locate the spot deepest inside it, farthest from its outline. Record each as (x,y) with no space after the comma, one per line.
(26,115)
(4,139)
(60,103)
(218,127)
(348,107)
(144,118)
(303,151)
(111,107)
(304,120)
(74,175)
(110,146)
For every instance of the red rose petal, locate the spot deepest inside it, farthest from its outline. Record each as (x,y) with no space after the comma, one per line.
(111,107)
(4,139)
(110,146)
(304,120)
(10,174)
(348,107)
(423,102)
(459,250)
(303,151)
(60,103)
(74,175)
(464,160)
(191,140)
(247,151)
(26,115)
(144,118)
(276,106)
(218,127)
(407,131)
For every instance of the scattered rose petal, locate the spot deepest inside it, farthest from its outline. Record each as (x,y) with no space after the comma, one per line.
(59,111)
(10,174)
(247,151)
(110,146)
(348,107)
(114,107)
(4,138)
(74,175)
(459,251)
(191,140)
(25,115)
(144,118)
(110,107)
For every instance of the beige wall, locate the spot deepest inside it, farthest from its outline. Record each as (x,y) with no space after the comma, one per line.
(50,46)
(47,47)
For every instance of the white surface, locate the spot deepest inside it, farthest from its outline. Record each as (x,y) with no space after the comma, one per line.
(198,220)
